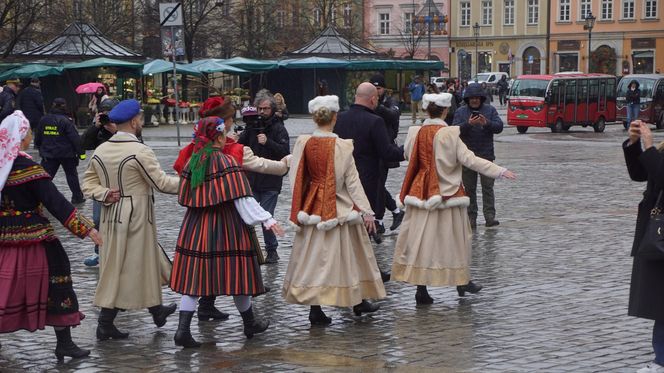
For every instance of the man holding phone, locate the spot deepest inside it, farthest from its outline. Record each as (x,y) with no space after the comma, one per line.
(479,121)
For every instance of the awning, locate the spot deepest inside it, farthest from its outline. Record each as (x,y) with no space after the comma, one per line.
(215,66)
(252,65)
(313,63)
(102,62)
(31,71)
(162,66)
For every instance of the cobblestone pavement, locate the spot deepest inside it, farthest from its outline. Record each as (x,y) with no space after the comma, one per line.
(555,275)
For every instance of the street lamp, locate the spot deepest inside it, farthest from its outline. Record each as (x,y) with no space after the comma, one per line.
(476,33)
(590,23)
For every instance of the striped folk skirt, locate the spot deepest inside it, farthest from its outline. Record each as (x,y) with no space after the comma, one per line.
(216,254)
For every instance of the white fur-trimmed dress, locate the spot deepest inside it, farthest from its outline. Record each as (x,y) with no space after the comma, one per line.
(332,262)
(434,243)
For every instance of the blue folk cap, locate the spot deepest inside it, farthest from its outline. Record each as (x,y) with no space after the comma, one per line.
(124,111)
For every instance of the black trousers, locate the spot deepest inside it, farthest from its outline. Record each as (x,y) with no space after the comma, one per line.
(384,198)
(51,165)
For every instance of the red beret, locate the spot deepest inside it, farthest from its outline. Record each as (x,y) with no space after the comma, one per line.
(210,104)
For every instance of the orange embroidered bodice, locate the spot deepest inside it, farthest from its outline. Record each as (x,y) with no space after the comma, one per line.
(421,180)
(315,190)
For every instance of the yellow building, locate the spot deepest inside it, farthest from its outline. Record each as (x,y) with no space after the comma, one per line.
(498,35)
(627,36)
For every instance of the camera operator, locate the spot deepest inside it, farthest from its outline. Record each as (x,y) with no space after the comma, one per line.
(479,121)
(98,133)
(269,139)
(389,111)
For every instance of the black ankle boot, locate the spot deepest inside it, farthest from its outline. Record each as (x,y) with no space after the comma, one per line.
(318,317)
(385,276)
(183,334)
(422,295)
(161,312)
(365,307)
(67,347)
(105,328)
(471,287)
(251,325)
(207,310)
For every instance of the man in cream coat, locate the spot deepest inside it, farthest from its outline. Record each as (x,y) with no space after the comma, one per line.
(122,175)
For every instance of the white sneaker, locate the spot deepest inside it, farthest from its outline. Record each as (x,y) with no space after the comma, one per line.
(651,368)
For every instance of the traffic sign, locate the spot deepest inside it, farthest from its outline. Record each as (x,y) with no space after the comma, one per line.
(170,14)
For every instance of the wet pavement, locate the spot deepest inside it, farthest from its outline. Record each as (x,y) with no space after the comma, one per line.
(555,275)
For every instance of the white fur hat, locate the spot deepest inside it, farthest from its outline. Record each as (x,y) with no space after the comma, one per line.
(440,99)
(331,102)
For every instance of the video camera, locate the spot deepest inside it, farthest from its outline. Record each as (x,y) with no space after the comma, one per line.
(252,123)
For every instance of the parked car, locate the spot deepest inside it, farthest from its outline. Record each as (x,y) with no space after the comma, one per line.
(490,78)
(652,98)
(439,81)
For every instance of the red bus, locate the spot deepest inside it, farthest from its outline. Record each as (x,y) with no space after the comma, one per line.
(562,100)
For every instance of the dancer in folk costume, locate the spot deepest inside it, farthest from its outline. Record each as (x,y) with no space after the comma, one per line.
(35,278)
(223,108)
(434,244)
(332,261)
(217,252)
(123,175)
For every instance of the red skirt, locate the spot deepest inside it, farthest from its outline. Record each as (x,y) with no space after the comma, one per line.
(24,291)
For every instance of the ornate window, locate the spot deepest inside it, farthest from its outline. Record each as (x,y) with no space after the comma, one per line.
(651,9)
(628,9)
(384,23)
(533,12)
(607,9)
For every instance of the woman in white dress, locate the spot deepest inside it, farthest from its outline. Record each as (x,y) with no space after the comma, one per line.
(332,262)
(434,244)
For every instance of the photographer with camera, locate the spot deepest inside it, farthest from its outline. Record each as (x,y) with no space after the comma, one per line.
(98,133)
(479,121)
(269,139)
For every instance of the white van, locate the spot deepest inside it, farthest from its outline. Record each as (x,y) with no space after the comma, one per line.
(490,78)
(439,81)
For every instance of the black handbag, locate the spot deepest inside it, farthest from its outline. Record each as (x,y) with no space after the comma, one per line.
(652,243)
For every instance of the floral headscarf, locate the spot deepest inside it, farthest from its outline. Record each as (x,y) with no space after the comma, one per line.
(12,131)
(205,132)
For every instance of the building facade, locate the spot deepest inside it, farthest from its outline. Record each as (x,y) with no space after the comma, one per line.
(511,37)
(408,28)
(627,36)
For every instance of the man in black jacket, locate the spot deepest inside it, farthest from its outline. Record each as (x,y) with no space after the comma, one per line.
(31,102)
(389,111)
(8,98)
(268,139)
(59,144)
(371,143)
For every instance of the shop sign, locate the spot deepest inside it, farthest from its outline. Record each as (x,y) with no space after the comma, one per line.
(569,45)
(471,43)
(643,43)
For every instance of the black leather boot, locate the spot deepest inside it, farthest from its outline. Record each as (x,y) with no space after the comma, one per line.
(422,295)
(385,276)
(471,287)
(318,317)
(251,325)
(183,334)
(365,307)
(207,310)
(67,347)
(105,328)
(161,312)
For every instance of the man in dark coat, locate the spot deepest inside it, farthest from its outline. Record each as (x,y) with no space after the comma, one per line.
(371,143)
(8,98)
(59,145)
(647,284)
(479,121)
(31,102)
(268,139)
(389,111)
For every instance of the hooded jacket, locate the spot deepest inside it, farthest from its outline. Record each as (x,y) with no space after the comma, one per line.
(478,138)
(633,97)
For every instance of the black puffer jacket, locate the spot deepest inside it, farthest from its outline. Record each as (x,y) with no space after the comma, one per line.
(633,97)
(479,139)
(276,147)
(56,136)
